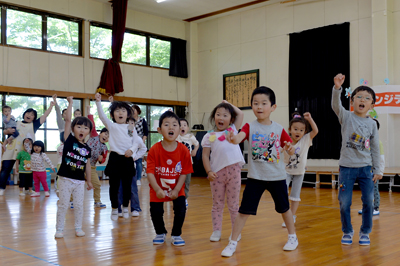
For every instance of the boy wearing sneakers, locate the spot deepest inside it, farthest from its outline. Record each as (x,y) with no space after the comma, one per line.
(168,163)
(359,157)
(267,140)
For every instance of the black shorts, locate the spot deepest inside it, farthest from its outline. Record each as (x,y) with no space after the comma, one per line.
(254,190)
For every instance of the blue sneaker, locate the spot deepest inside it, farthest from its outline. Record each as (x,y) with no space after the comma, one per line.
(177,241)
(364,240)
(347,239)
(159,239)
(99,205)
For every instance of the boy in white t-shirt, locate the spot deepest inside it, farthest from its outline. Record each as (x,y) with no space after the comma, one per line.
(188,140)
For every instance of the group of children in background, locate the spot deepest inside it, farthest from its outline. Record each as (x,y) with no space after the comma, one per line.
(275,160)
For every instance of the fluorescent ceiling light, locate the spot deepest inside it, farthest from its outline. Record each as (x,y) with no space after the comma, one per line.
(159,1)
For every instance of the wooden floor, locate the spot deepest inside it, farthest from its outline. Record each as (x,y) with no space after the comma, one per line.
(28,225)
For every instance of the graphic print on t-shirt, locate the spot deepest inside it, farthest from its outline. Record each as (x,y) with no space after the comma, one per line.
(265,147)
(76,161)
(359,140)
(168,172)
(186,144)
(294,159)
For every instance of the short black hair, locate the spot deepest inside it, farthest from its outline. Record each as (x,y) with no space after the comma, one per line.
(29,110)
(77,110)
(167,114)
(40,144)
(116,105)
(64,111)
(226,106)
(264,90)
(297,118)
(139,111)
(183,119)
(364,88)
(5,107)
(82,120)
(104,129)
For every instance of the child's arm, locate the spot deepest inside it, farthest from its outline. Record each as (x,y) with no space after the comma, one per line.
(207,165)
(141,149)
(314,128)
(153,183)
(107,122)
(90,116)
(60,122)
(196,146)
(6,119)
(239,115)
(46,114)
(16,166)
(175,192)
(236,139)
(88,172)
(68,116)
(336,102)
(48,161)
(134,148)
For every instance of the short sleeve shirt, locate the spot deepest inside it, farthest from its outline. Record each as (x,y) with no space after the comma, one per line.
(167,167)
(296,164)
(24,159)
(74,159)
(188,140)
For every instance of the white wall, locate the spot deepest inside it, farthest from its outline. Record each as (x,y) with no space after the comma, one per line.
(258,39)
(40,70)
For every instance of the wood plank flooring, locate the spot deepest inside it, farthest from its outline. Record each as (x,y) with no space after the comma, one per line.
(28,225)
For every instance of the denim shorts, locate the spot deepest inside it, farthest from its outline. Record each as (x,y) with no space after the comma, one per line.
(254,190)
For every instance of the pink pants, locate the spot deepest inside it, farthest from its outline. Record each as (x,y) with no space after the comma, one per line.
(40,177)
(228,182)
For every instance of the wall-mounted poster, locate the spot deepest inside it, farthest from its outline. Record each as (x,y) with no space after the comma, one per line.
(238,87)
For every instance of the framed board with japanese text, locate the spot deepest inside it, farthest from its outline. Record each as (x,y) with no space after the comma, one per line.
(239,86)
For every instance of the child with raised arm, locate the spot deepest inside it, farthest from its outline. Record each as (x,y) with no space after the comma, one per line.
(99,150)
(188,140)
(168,163)
(123,147)
(296,163)
(9,122)
(224,166)
(359,157)
(71,175)
(267,140)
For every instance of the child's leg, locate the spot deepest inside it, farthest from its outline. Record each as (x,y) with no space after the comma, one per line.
(139,168)
(218,187)
(65,189)
(179,215)
(115,182)
(78,194)
(22,180)
(28,182)
(120,197)
(367,196)
(157,213)
(126,190)
(187,184)
(297,182)
(42,178)
(234,183)
(288,219)
(347,178)
(240,221)
(135,204)
(377,196)
(36,180)
(96,185)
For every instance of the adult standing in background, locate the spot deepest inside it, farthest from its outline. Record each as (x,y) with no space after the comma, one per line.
(27,129)
(143,131)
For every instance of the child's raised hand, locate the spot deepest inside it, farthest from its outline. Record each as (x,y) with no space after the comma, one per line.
(88,109)
(225,101)
(307,116)
(70,99)
(338,80)
(160,194)
(212,176)
(52,103)
(89,185)
(111,99)
(97,96)
(54,97)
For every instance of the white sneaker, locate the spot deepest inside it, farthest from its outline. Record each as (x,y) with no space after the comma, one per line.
(1,192)
(138,183)
(22,194)
(135,214)
(125,213)
(114,214)
(216,236)
(239,237)
(59,234)
(291,244)
(294,221)
(35,194)
(230,249)
(120,214)
(47,194)
(79,232)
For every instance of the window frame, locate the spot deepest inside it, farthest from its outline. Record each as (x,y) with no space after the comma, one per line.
(148,35)
(44,15)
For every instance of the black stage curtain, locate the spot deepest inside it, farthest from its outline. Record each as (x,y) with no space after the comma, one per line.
(177,61)
(315,57)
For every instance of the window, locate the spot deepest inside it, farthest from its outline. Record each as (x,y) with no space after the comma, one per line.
(48,132)
(154,117)
(138,47)
(40,30)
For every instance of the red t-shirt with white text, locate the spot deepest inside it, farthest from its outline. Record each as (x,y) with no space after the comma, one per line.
(167,167)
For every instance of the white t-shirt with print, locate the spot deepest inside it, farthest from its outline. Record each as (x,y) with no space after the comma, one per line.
(296,163)
(188,140)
